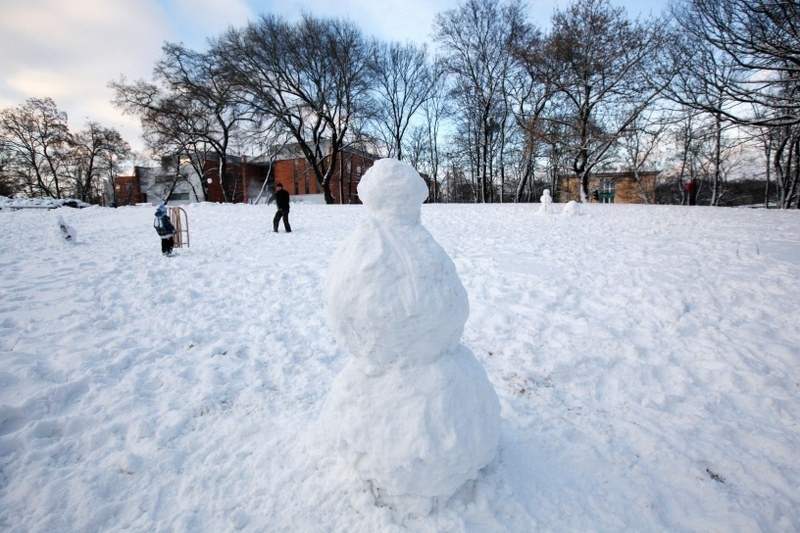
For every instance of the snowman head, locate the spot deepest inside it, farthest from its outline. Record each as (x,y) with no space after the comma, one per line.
(393,191)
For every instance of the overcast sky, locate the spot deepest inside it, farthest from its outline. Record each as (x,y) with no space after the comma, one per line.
(69,50)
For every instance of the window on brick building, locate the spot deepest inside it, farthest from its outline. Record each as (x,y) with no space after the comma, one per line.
(607,191)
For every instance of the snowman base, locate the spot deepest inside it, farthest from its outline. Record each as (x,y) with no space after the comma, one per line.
(416,432)
(413,506)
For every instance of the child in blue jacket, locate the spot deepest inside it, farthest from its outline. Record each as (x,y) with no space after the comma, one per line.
(165,230)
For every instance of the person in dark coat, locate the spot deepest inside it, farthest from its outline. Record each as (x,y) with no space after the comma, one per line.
(282,202)
(165,230)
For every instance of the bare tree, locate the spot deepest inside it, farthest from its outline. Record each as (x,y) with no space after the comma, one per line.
(422,144)
(742,66)
(35,137)
(312,76)
(437,108)
(9,184)
(478,40)
(190,109)
(533,88)
(404,81)
(416,146)
(785,151)
(91,155)
(639,145)
(760,41)
(557,135)
(610,72)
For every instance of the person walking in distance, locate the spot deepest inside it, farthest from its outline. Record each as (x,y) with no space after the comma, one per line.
(282,202)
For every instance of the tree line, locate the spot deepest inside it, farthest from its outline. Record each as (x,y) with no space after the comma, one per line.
(502,110)
(40,157)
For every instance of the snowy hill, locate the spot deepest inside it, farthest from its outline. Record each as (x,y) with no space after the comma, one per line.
(645,359)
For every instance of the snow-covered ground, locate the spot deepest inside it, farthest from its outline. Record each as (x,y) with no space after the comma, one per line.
(646,359)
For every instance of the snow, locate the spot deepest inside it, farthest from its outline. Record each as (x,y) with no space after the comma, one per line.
(68,233)
(395,303)
(645,359)
(571,209)
(40,203)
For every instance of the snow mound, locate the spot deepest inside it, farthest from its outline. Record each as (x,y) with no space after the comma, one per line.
(47,203)
(571,209)
(67,232)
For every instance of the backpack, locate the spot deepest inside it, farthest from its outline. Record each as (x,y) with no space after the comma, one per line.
(164,227)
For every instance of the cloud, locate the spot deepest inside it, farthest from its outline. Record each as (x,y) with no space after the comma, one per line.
(69,51)
(389,20)
(195,21)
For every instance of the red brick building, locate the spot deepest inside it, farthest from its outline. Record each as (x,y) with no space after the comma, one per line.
(251,180)
(243,182)
(127,190)
(245,178)
(298,178)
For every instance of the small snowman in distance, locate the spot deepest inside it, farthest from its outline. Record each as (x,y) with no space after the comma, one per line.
(412,412)
(546,206)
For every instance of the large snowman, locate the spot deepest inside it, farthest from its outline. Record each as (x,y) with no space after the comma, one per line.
(412,411)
